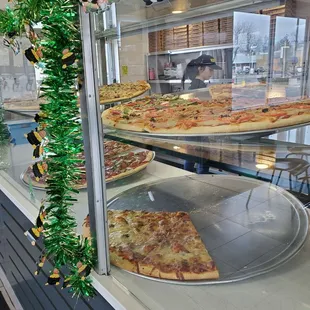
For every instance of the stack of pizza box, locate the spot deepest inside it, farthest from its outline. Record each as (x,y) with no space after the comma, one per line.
(156,42)
(210,32)
(226,30)
(195,36)
(168,39)
(180,37)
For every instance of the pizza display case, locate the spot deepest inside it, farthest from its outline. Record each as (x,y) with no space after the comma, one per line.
(264,66)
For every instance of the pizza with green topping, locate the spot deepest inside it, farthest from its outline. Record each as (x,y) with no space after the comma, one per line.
(173,115)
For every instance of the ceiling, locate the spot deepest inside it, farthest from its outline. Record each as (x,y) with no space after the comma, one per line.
(135,10)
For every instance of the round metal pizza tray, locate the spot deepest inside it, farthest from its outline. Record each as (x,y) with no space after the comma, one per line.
(249,227)
(84,187)
(179,135)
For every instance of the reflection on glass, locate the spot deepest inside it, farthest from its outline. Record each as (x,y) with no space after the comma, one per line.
(288,57)
(17,75)
(250,58)
(4,142)
(265,159)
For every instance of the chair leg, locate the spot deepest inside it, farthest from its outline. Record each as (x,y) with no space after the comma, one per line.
(279,176)
(290,178)
(272,176)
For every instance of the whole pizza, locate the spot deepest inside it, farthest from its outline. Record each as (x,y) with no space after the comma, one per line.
(122,91)
(173,115)
(121,160)
(163,245)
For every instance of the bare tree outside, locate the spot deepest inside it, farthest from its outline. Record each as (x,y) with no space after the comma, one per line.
(251,34)
(245,37)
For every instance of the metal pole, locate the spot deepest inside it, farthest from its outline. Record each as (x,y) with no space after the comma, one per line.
(306,61)
(93,146)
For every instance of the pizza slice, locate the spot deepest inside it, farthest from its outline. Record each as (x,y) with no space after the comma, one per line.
(182,255)
(158,244)
(132,237)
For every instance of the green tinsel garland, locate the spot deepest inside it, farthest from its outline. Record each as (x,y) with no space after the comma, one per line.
(61,121)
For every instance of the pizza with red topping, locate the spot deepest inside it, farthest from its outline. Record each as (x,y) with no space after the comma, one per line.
(163,245)
(119,162)
(112,148)
(120,166)
(173,115)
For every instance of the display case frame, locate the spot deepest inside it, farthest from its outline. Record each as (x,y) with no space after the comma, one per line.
(113,33)
(153,141)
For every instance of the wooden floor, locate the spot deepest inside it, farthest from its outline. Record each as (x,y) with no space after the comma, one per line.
(18,261)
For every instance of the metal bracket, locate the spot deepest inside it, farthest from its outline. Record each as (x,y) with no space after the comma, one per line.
(93,146)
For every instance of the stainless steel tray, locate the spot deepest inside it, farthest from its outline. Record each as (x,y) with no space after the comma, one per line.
(249,227)
(193,135)
(84,187)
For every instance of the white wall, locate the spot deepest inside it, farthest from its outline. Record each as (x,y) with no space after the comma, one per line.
(133,55)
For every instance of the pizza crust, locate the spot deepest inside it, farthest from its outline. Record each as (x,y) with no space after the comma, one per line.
(106,120)
(197,130)
(152,271)
(267,124)
(131,127)
(110,123)
(242,127)
(122,263)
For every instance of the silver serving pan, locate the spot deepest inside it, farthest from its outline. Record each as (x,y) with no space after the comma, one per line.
(249,227)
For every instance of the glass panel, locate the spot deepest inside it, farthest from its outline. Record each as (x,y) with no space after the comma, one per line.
(17,75)
(20,124)
(227,115)
(251,35)
(288,58)
(5,158)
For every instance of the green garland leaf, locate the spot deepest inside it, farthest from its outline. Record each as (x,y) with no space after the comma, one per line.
(8,21)
(61,48)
